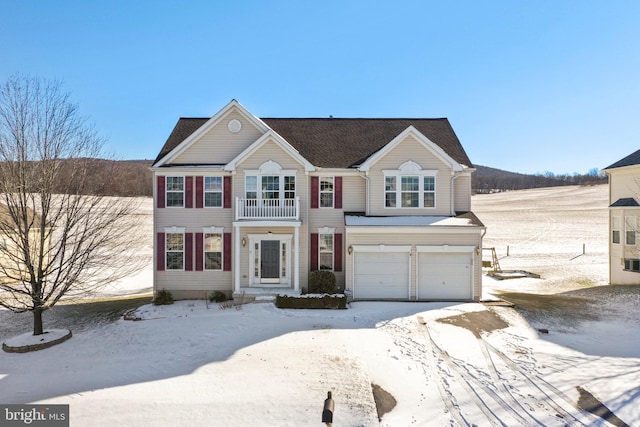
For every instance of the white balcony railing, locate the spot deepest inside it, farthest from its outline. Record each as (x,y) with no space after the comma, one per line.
(267,208)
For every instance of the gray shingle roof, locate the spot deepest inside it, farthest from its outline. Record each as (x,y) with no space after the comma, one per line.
(339,143)
(631,159)
(626,202)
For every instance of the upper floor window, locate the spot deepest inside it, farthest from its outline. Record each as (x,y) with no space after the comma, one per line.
(615,229)
(630,230)
(175,191)
(213,191)
(414,191)
(174,248)
(271,187)
(326,192)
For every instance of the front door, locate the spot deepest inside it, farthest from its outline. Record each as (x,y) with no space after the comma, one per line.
(270,261)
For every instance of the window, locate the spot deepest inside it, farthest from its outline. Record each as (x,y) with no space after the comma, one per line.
(325,245)
(213,251)
(615,229)
(326,192)
(632,264)
(270,187)
(273,187)
(410,191)
(174,251)
(289,187)
(414,191)
(251,187)
(175,191)
(213,191)
(630,230)
(429,188)
(390,191)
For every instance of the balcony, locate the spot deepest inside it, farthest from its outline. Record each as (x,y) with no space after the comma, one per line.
(267,208)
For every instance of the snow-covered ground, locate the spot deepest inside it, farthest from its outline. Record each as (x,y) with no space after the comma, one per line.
(446,364)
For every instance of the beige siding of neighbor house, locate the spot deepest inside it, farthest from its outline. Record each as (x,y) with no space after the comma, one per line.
(410,150)
(623,183)
(219,145)
(462,194)
(411,236)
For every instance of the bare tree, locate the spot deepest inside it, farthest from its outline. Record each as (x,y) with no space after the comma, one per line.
(56,239)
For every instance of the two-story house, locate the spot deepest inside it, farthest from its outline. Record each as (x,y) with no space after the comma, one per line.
(250,206)
(624,218)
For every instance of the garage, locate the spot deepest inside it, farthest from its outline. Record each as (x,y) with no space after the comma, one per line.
(381,273)
(445,275)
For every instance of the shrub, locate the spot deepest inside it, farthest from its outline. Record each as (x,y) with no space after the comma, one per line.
(326,301)
(322,282)
(217,296)
(163,297)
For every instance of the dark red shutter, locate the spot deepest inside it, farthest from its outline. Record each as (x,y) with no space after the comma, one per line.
(188,193)
(160,252)
(199,251)
(199,192)
(314,251)
(188,251)
(315,192)
(226,188)
(337,188)
(160,190)
(337,252)
(226,248)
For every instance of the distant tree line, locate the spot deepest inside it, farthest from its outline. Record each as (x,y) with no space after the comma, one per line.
(126,178)
(490,180)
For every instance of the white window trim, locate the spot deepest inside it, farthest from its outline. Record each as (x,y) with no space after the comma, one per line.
(281,189)
(410,168)
(174,230)
(166,191)
(617,228)
(326,231)
(333,191)
(626,219)
(204,192)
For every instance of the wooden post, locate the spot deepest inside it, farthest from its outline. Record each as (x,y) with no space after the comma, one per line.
(507,250)
(583,248)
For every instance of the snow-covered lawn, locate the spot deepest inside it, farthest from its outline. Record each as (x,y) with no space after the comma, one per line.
(445,363)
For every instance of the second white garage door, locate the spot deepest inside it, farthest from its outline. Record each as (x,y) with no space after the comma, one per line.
(381,275)
(445,276)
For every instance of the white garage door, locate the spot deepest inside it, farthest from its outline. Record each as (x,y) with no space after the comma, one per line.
(381,275)
(446,276)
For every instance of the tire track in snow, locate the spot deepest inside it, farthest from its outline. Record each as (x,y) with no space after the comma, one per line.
(461,374)
(575,416)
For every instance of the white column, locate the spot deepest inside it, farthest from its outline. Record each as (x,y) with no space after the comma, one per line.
(236,259)
(296,258)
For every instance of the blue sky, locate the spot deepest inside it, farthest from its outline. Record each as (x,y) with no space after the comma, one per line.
(528,86)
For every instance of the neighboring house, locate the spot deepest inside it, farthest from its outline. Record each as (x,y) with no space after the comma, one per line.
(250,206)
(624,218)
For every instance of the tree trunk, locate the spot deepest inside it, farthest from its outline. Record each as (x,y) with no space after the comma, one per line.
(37,321)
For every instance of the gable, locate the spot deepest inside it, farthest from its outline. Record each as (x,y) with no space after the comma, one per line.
(409,148)
(269,148)
(211,141)
(411,145)
(218,144)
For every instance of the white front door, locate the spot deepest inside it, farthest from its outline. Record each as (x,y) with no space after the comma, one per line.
(270,260)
